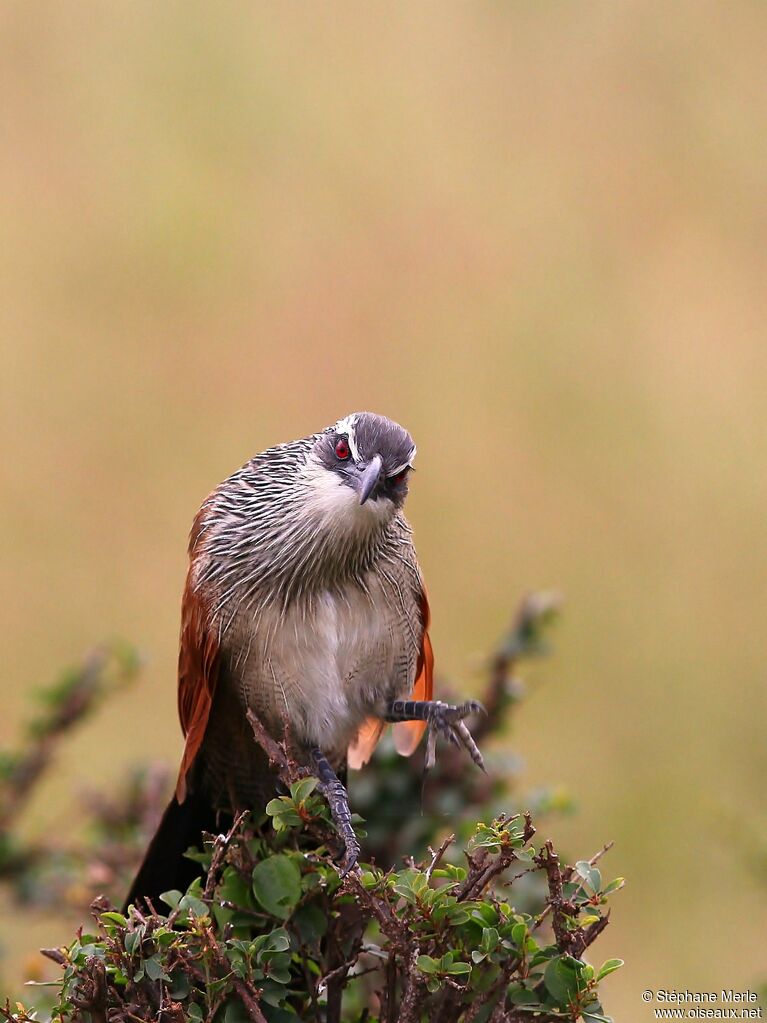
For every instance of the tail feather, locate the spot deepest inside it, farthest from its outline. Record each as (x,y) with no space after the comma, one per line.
(165,866)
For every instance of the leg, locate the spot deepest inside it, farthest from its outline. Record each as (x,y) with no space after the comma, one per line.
(338,801)
(441,717)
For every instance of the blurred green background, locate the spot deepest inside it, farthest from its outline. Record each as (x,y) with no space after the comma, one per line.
(532,233)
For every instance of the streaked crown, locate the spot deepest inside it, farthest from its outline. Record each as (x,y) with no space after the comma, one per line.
(369,434)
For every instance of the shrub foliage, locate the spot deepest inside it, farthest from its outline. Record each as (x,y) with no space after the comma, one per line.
(481,923)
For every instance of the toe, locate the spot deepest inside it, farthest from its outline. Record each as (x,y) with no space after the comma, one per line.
(468,742)
(349,861)
(474,707)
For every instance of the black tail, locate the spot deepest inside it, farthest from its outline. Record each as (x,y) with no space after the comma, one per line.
(165,866)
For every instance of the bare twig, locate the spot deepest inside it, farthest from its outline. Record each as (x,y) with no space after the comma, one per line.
(549,860)
(410,1011)
(437,856)
(273,749)
(219,851)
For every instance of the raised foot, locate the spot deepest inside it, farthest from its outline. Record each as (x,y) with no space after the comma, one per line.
(334,791)
(444,718)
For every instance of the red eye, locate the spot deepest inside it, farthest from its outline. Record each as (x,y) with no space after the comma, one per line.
(342,449)
(401,476)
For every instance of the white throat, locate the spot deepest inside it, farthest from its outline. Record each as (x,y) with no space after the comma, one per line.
(336,506)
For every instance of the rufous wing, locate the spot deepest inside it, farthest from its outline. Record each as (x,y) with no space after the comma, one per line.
(407,734)
(198,665)
(361,750)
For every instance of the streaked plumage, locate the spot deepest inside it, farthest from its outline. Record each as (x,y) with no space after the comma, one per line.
(314,603)
(304,602)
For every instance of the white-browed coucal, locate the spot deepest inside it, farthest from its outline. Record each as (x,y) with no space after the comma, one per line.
(304,601)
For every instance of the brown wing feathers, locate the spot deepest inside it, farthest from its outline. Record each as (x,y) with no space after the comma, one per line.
(198,663)
(407,734)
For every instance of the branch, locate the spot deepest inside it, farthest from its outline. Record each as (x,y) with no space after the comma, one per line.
(524,639)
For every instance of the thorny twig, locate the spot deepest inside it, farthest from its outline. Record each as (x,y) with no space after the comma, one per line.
(67,703)
(567,875)
(522,640)
(437,856)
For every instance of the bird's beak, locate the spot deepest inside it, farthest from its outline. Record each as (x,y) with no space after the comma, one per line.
(370,477)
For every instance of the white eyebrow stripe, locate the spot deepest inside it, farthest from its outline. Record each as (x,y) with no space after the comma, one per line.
(405,465)
(345,426)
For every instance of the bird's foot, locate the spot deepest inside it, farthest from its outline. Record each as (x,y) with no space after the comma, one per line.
(443,718)
(334,791)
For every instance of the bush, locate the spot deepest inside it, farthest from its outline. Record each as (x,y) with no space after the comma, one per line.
(487,927)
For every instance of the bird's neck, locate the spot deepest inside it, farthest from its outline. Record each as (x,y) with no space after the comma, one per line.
(307,538)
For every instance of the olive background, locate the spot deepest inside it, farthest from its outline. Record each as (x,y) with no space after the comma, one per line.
(532,233)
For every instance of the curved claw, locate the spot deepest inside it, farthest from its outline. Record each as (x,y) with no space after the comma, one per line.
(449,721)
(441,717)
(431,750)
(349,862)
(462,710)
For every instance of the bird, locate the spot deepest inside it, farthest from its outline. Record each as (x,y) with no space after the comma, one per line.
(304,603)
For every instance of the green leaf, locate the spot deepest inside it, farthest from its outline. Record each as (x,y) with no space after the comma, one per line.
(458,968)
(457,915)
(301,790)
(276,806)
(522,996)
(277,885)
(485,913)
(275,1014)
(179,984)
(278,940)
(171,898)
(235,1012)
(427,965)
(310,922)
(608,967)
(194,906)
(590,874)
(154,969)
(407,885)
(562,981)
(114,918)
(235,889)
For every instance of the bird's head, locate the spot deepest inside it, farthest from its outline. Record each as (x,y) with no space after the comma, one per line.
(365,460)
